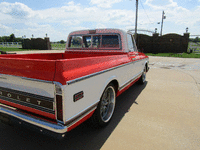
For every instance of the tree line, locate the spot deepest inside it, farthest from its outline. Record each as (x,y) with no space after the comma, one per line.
(197,39)
(10,38)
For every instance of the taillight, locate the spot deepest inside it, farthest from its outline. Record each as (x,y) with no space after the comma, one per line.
(59,101)
(59,107)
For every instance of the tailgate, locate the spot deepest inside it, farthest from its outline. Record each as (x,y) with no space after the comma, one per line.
(30,68)
(27,85)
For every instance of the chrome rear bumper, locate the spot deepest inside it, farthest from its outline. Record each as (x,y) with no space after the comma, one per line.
(13,117)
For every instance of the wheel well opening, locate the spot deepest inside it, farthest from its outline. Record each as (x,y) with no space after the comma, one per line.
(116,85)
(146,65)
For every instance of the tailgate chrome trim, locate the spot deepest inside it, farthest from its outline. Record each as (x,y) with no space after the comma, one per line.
(4,76)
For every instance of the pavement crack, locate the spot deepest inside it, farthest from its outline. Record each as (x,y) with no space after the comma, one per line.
(192,78)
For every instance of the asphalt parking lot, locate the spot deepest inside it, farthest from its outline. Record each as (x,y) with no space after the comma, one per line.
(164,113)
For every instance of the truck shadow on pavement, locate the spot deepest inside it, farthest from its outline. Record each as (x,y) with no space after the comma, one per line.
(83,137)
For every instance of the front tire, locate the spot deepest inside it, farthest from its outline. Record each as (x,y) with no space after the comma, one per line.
(105,108)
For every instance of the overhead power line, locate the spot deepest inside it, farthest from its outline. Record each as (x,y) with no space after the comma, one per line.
(145,12)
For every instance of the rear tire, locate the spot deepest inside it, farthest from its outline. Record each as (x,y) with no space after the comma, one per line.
(105,108)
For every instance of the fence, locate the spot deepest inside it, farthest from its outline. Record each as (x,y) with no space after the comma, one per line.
(11,44)
(36,43)
(58,46)
(194,47)
(54,45)
(169,43)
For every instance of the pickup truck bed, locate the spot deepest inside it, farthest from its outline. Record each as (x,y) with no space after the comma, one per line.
(60,67)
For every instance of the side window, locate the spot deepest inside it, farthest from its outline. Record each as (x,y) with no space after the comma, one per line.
(134,46)
(130,42)
(76,42)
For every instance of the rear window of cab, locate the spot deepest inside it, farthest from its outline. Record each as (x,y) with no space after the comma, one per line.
(94,41)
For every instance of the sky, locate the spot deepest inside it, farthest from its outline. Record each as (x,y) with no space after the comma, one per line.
(58,18)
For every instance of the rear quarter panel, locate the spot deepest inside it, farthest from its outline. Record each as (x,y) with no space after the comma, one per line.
(90,75)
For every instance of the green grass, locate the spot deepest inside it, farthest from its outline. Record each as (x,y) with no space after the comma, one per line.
(181,55)
(58,46)
(53,46)
(11,49)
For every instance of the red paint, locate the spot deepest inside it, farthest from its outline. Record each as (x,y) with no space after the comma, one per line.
(27,67)
(71,69)
(32,110)
(61,67)
(81,121)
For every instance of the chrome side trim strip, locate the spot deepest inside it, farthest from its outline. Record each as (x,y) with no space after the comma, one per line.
(100,72)
(95,74)
(69,125)
(138,60)
(129,82)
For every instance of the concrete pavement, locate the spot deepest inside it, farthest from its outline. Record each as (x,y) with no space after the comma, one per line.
(167,114)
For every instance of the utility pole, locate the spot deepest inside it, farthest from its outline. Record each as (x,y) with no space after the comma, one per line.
(136,18)
(163,17)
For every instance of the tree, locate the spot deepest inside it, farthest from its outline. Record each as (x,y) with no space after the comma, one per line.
(12,38)
(196,39)
(62,42)
(5,39)
(18,39)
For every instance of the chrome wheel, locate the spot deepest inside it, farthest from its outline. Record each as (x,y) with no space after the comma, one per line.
(107,104)
(105,108)
(144,75)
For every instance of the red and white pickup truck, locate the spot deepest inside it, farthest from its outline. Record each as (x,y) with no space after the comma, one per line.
(55,92)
